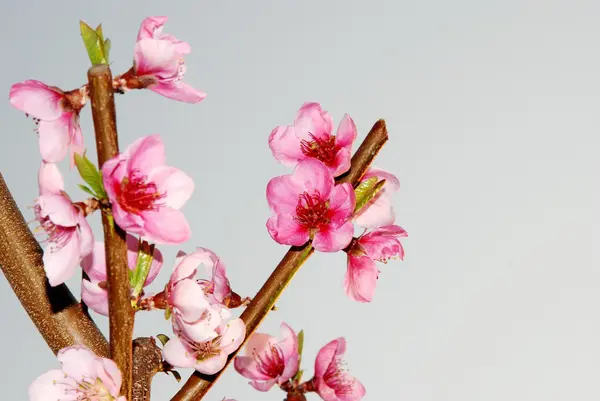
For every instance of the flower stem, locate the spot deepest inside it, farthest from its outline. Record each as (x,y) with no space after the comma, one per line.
(198,384)
(59,318)
(121,316)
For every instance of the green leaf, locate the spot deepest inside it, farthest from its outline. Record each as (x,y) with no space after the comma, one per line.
(167,313)
(162,338)
(107,49)
(86,189)
(145,256)
(90,174)
(298,375)
(365,191)
(93,41)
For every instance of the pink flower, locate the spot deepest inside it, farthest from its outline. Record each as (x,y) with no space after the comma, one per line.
(269,361)
(159,63)
(56,114)
(217,287)
(206,356)
(186,297)
(69,235)
(379,211)
(332,381)
(83,376)
(380,245)
(307,205)
(146,194)
(93,291)
(311,138)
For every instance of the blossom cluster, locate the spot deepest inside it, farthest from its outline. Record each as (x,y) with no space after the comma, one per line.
(143,195)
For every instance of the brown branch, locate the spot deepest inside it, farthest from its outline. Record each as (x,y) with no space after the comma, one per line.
(198,384)
(147,361)
(54,311)
(121,315)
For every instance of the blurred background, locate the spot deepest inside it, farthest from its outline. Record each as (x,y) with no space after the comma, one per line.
(492,109)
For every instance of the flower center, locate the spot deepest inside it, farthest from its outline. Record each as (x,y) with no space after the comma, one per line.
(336,377)
(207,349)
(271,362)
(321,148)
(136,194)
(207,286)
(87,390)
(58,236)
(312,211)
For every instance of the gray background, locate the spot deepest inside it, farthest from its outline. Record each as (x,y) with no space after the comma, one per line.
(492,109)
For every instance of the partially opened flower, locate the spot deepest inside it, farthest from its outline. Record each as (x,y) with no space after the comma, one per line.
(332,381)
(311,137)
(56,114)
(379,211)
(206,356)
(93,290)
(69,235)
(159,64)
(82,377)
(267,361)
(308,205)
(362,273)
(216,287)
(146,194)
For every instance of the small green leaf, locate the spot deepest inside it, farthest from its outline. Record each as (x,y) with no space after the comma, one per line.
(90,174)
(176,375)
(298,375)
(162,338)
(167,313)
(145,256)
(107,49)
(365,191)
(86,189)
(94,43)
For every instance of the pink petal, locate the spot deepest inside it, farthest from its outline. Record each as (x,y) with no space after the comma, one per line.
(342,162)
(129,222)
(185,266)
(94,297)
(378,212)
(132,254)
(247,367)
(166,226)
(77,361)
(212,365)
(222,287)
(76,139)
(263,385)
(113,172)
(179,91)
(37,99)
(327,353)
(283,193)
(174,183)
(259,343)
(346,133)
(341,204)
(50,180)
(177,354)
(60,263)
(333,239)
(312,118)
(149,25)
(50,386)
(234,334)
(383,243)
(285,145)
(54,138)
(59,209)
(85,236)
(361,278)
(146,153)
(202,330)
(159,58)
(357,392)
(94,264)
(312,175)
(285,230)
(188,298)
(391,181)
(109,373)
(289,342)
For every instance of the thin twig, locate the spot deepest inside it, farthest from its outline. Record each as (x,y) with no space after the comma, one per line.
(198,384)
(121,316)
(54,311)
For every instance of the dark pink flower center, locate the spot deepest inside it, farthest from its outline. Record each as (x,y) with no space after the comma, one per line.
(321,148)
(312,211)
(136,194)
(57,235)
(270,362)
(337,378)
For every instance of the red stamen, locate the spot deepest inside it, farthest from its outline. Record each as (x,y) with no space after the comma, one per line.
(136,194)
(321,148)
(312,212)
